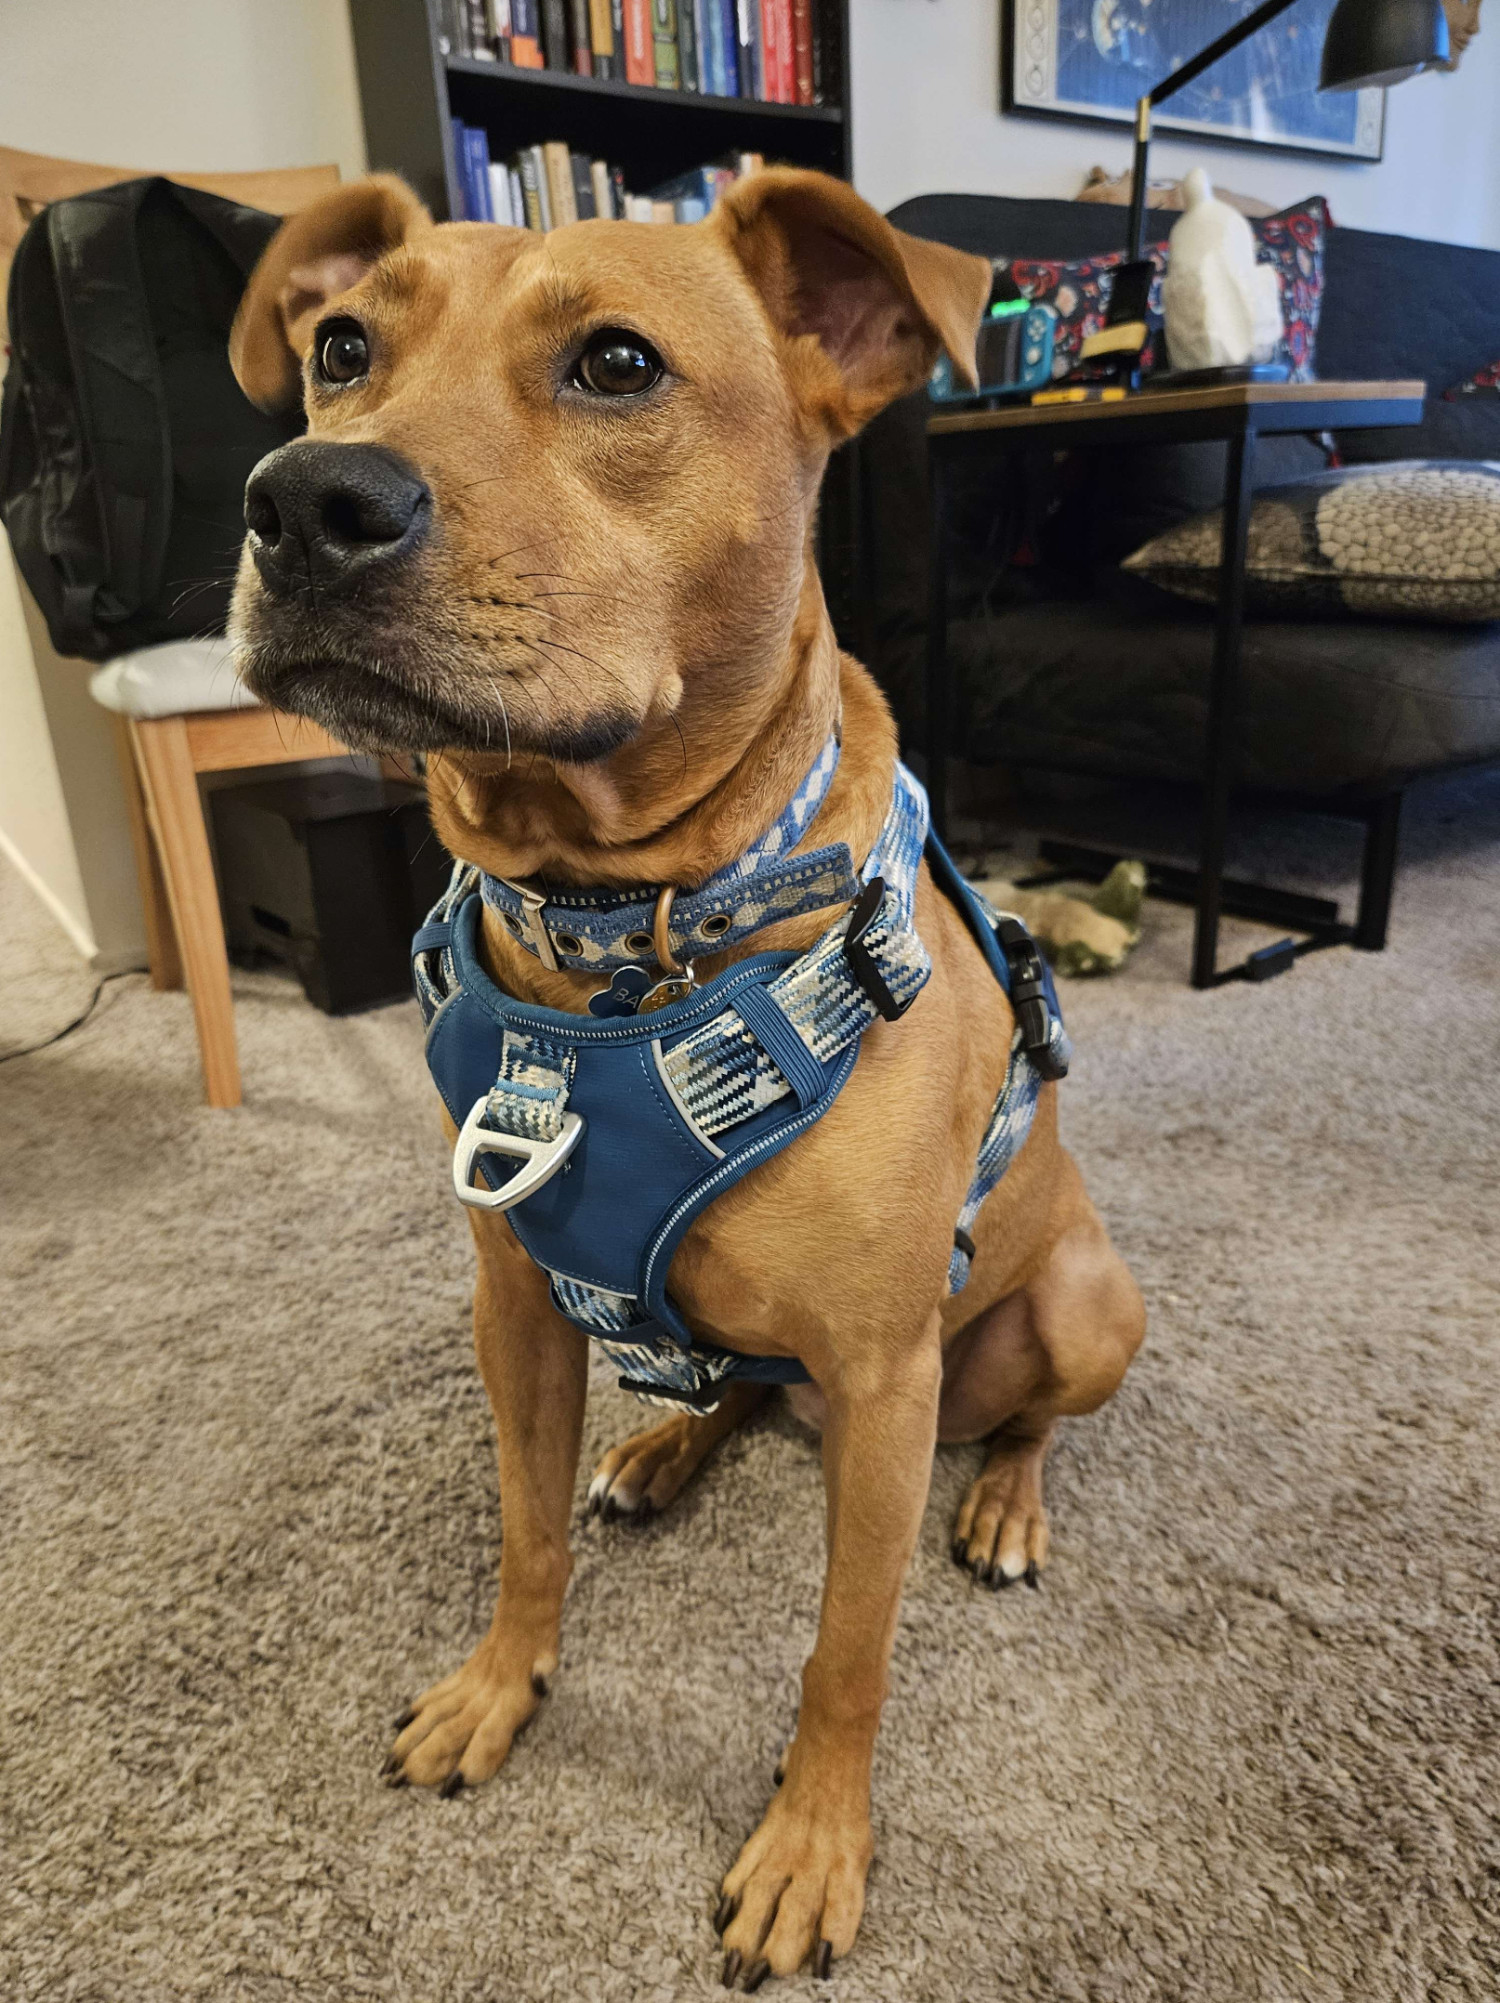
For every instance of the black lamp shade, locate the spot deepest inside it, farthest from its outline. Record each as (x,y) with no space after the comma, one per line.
(1371,43)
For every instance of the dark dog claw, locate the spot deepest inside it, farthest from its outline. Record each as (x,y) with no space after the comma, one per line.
(390,1766)
(959,1551)
(405,1719)
(644,1510)
(731,1967)
(755,1975)
(822,1961)
(728,1907)
(1033,1577)
(397,1780)
(539,1683)
(452,1785)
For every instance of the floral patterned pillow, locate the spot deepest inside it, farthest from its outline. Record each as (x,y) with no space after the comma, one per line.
(1079,288)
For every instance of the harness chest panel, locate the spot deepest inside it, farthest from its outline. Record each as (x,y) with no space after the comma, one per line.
(602,1138)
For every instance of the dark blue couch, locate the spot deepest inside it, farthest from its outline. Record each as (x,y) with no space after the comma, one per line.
(1068,665)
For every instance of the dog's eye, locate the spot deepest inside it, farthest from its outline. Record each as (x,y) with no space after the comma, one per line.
(343,352)
(618,364)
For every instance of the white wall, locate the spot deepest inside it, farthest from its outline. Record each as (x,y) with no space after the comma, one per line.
(156,84)
(927,121)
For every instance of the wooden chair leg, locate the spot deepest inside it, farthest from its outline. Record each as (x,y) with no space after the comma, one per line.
(162,955)
(171,788)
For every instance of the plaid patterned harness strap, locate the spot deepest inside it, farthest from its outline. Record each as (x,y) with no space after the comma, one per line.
(677,1105)
(606,930)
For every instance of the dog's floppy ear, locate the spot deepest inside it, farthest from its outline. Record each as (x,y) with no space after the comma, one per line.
(315,255)
(878,305)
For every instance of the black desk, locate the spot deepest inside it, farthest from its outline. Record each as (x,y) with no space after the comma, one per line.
(1238,414)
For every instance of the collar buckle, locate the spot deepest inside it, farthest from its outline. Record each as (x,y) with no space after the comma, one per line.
(533,903)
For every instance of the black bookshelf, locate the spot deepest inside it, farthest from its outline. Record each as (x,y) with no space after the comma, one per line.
(409,89)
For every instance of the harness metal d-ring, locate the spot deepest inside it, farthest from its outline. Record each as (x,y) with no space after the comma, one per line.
(542,1159)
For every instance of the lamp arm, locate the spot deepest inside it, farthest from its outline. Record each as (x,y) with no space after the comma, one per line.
(1193,67)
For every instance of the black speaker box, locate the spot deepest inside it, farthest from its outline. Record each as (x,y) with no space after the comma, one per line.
(330,876)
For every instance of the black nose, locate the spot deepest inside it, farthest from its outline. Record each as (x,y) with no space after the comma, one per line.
(331,517)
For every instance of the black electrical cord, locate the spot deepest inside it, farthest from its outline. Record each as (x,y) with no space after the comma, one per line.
(30,1049)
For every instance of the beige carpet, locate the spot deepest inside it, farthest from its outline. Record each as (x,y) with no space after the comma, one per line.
(1243,1746)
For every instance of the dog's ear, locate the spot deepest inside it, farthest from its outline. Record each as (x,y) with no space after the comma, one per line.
(315,255)
(865,309)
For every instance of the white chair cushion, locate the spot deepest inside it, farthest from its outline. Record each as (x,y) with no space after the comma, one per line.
(170,680)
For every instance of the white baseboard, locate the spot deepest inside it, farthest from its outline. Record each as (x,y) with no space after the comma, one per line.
(79,934)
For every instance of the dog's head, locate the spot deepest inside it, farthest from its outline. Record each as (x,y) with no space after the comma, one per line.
(555,489)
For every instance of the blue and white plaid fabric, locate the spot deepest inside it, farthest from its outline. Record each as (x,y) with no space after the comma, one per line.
(531,1094)
(721,1073)
(1004,1138)
(608,1318)
(605,930)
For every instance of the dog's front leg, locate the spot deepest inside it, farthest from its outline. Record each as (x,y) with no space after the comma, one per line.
(798,1886)
(535,1368)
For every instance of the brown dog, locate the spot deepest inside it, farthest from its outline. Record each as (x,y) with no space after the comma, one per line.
(575,569)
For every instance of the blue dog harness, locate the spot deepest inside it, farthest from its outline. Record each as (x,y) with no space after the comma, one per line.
(602,1136)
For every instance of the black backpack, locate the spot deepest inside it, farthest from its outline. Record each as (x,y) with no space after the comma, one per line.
(125,442)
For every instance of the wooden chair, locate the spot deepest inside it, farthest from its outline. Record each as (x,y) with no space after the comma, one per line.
(179,711)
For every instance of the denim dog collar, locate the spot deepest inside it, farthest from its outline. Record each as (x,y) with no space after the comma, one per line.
(602,931)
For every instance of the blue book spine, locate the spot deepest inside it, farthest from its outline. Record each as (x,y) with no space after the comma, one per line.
(729,32)
(478,191)
(703,21)
(747,39)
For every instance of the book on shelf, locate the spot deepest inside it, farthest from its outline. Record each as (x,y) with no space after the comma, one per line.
(548,185)
(557,41)
(602,40)
(771,50)
(581,37)
(526,35)
(687,46)
(640,53)
(664,43)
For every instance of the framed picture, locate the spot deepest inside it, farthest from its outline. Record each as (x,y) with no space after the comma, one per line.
(1091,59)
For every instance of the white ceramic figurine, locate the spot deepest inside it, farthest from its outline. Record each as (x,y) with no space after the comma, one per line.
(1221,307)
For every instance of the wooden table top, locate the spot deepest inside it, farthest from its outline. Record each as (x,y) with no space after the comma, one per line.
(1170,402)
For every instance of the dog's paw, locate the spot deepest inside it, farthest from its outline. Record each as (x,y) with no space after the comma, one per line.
(1001,1532)
(797,1890)
(644,1473)
(458,1733)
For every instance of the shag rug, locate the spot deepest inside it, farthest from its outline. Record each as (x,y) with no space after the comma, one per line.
(1244,1747)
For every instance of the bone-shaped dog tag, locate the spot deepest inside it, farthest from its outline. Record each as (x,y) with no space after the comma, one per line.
(675,988)
(624,994)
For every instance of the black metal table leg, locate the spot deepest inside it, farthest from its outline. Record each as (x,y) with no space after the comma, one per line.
(1223,703)
(939,680)
(1377,875)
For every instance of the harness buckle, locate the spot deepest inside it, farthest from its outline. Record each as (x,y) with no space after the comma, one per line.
(1028,999)
(866,909)
(542,1159)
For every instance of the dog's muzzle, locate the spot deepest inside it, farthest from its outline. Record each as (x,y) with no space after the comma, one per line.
(326,520)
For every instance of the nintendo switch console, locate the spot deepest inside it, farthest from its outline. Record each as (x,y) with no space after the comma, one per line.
(1013,352)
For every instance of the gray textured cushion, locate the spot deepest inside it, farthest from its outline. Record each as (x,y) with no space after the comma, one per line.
(1417,539)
